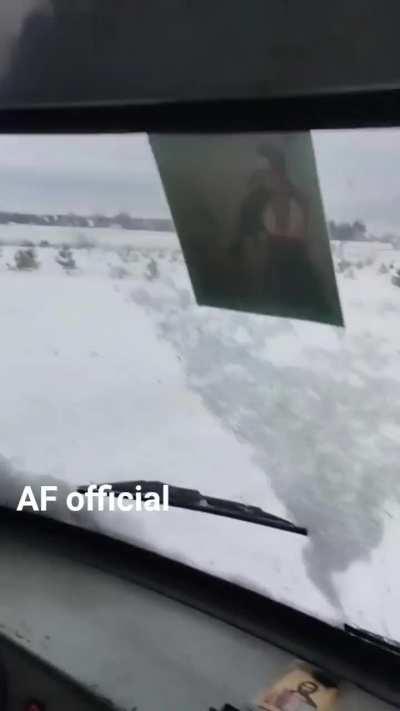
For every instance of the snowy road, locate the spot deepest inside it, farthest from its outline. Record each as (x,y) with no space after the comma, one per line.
(106,378)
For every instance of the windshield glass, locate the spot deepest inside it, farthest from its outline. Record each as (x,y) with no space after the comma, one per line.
(111,371)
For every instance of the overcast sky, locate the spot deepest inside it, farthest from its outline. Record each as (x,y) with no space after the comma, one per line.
(359,173)
(82,174)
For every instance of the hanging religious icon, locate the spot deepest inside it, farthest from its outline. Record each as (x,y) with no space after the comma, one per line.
(249,216)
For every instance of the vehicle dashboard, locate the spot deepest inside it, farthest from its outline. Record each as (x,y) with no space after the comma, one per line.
(73,634)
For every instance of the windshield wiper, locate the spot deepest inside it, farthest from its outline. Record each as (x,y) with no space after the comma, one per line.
(192,499)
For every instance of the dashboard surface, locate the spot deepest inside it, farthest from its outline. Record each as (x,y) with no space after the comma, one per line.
(113,643)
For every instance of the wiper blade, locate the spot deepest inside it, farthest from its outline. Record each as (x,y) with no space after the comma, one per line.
(193,500)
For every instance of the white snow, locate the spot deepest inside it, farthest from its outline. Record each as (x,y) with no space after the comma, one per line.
(111,372)
(104,236)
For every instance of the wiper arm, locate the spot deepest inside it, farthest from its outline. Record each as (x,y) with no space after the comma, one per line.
(193,500)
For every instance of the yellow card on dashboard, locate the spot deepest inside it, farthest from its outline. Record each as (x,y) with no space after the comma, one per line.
(299,690)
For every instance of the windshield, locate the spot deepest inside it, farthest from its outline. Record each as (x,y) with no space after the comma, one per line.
(110,371)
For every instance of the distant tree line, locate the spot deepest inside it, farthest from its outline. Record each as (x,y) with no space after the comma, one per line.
(357,232)
(347,231)
(121,220)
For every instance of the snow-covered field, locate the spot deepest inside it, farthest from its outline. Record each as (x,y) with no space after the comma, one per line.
(80,237)
(110,371)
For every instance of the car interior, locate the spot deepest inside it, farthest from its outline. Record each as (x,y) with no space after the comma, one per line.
(89,620)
